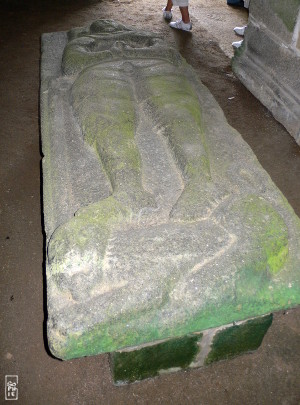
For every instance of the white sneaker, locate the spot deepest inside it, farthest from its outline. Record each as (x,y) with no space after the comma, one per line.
(167,14)
(237,44)
(240,30)
(180,25)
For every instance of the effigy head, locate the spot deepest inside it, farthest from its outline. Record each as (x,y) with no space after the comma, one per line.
(108,40)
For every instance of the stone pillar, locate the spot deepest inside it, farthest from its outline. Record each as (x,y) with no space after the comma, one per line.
(268,63)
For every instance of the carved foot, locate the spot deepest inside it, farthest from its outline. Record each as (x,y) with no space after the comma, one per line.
(137,201)
(77,248)
(196,202)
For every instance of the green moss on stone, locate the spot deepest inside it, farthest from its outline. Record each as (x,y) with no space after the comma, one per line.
(267,300)
(76,57)
(177,105)
(239,339)
(138,329)
(166,84)
(256,292)
(166,92)
(176,99)
(92,223)
(108,121)
(270,235)
(192,170)
(238,52)
(148,361)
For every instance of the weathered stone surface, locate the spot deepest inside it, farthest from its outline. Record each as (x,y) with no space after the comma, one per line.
(159,219)
(268,63)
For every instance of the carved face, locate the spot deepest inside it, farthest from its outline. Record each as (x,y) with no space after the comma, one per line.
(107,40)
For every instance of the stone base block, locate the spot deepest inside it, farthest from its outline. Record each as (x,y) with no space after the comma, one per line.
(190,351)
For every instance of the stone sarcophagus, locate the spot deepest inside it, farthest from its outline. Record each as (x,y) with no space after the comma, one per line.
(162,227)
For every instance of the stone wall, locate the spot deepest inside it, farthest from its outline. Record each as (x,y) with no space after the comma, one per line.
(268,63)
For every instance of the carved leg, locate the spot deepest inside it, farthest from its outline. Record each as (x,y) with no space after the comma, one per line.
(108,119)
(103,102)
(177,107)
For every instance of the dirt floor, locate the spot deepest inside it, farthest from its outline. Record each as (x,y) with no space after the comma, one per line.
(268,376)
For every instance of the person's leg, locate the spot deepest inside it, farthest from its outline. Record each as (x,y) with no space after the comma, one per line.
(185,23)
(185,14)
(167,13)
(169,5)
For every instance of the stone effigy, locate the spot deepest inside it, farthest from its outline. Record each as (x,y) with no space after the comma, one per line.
(268,63)
(162,227)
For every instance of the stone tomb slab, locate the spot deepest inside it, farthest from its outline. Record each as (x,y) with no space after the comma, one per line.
(160,222)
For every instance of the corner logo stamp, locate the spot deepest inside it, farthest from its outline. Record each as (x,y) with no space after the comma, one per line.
(11,387)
